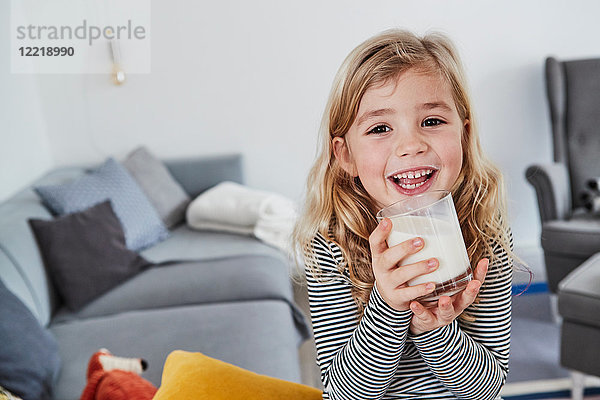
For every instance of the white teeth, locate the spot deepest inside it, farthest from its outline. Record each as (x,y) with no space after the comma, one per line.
(411,186)
(413,174)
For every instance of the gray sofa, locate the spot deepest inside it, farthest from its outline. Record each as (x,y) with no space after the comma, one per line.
(225,295)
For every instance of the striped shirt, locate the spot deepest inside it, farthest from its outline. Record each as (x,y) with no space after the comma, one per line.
(377,357)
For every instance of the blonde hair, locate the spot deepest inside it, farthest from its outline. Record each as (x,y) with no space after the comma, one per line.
(337,205)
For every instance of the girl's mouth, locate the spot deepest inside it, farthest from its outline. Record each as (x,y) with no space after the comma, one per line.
(415,181)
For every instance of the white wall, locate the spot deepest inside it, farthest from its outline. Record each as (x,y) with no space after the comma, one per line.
(25,151)
(253,77)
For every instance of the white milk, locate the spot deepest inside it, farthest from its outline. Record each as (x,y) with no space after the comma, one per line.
(442,241)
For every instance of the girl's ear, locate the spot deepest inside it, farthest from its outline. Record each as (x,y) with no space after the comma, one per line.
(465,135)
(343,156)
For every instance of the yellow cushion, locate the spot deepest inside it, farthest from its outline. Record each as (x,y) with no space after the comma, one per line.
(193,376)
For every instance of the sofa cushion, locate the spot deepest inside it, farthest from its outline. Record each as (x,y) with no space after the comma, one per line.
(578,297)
(255,335)
(197,174)
(21,265)
(189,376)
(85,253)
(186,244)
(142,225)
(29,360)
(18,283)
(579,236)
(223,280)
(164,192)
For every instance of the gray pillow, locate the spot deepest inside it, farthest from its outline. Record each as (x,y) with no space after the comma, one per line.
(29,360)
(141,224)
(85,253)
(163,191)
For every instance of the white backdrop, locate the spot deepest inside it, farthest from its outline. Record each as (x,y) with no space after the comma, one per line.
(253,77)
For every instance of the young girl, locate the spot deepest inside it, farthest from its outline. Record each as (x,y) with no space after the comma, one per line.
(398,123)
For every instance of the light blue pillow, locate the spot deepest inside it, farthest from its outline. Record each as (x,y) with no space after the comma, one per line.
(141,224)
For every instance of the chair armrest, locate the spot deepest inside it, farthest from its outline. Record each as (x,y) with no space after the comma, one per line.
(551,184)
(196,174)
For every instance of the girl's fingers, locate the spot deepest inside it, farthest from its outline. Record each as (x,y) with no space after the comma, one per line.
(467,296)
(449,308)
(481,269)
(446,309)
(377,239)
(422,313)
(405,273)
(409,293)
(390,256)
(397,253)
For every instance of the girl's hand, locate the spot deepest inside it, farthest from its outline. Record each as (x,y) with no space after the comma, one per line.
(391,279)
(448,308)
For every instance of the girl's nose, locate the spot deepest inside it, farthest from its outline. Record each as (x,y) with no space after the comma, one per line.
(410,143)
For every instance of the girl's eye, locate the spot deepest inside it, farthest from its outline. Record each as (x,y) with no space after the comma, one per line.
(432,122)
(379,129)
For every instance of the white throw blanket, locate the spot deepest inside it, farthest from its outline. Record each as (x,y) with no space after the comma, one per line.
(235,208)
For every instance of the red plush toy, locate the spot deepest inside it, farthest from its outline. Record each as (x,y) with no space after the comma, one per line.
(116,378)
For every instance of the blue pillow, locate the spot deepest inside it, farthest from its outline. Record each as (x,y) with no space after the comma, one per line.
(141,223)
(29,360)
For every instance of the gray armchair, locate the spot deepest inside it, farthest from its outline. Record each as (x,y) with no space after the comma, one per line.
(570,234)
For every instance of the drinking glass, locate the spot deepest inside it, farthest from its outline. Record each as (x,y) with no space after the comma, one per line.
(431,216)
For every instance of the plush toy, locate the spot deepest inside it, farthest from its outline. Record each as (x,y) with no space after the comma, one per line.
(116,378)
(591,196)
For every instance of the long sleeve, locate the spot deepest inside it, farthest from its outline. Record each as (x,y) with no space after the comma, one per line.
(376,357)
(358,359)
(471,357)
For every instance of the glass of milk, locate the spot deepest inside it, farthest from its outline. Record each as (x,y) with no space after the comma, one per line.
(431,216)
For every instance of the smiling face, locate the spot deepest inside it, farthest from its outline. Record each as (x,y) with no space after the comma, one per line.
(405,139)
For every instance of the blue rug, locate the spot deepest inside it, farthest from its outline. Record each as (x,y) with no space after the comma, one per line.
(530,288)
